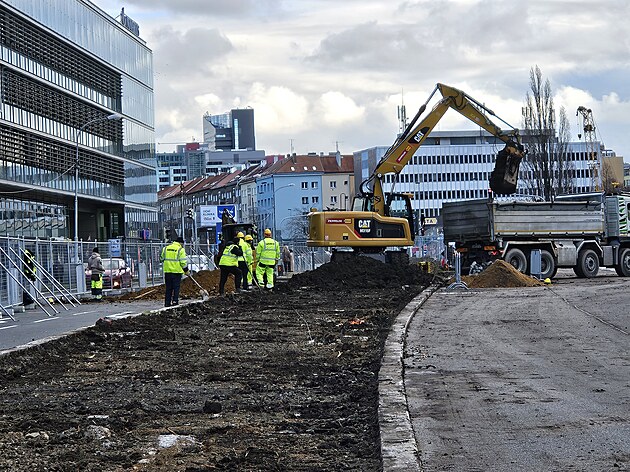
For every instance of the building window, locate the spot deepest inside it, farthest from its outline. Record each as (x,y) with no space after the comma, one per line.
(333,184)
(304,184)
(313,184)
(304,200)
(315,199)
(333,199)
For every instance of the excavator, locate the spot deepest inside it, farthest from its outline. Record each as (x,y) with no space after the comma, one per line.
(381,224)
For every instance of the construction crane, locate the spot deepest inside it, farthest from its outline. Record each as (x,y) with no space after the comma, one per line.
(592,155)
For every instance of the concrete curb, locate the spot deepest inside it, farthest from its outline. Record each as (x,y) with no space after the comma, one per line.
(398,445)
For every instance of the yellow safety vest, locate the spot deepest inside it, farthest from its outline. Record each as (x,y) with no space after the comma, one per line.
(227,258)
(243,245)
(267,252)
(174,258)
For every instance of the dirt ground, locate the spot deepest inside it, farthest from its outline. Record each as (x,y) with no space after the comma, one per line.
(282,380)
(500,274)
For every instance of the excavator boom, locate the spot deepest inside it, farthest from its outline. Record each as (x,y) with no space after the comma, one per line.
(382,220)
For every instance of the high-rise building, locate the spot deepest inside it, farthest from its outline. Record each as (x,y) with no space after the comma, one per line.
(231,131)
(76,123)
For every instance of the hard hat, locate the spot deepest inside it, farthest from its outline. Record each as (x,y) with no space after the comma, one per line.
(547,281)
(267,232)
(240,234)
(248,237)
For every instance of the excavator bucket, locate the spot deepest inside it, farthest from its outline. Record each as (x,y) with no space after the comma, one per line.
(504,176)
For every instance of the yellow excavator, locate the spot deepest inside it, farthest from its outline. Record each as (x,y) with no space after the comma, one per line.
(381,224)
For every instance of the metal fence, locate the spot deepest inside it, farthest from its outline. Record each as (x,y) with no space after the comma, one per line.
(66,262)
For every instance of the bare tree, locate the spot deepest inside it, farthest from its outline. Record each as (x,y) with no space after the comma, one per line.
(549,171)
(297,227)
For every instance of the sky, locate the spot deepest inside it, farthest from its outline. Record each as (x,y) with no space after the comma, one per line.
(327,75)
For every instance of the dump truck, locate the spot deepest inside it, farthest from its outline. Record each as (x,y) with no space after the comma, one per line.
(582,232)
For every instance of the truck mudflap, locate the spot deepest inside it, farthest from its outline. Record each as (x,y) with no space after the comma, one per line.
(504,176)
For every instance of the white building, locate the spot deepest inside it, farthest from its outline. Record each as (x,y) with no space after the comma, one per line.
(455,165)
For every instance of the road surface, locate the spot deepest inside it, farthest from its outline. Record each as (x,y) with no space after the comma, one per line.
(531,379)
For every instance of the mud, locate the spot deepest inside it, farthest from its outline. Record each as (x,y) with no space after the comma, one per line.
(282,380)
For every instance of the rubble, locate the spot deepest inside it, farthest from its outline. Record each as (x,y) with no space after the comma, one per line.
(268,380)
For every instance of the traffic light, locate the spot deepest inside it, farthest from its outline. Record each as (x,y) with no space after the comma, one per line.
(190,213)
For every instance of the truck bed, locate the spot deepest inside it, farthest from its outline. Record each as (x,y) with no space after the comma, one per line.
(482,220)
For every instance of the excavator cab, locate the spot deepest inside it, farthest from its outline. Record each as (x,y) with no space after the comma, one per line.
(399,206)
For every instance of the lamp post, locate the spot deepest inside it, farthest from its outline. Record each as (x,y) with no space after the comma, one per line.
(273,209)
(113,116)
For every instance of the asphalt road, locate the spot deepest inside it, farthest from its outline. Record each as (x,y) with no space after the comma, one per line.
(532,379)
(36,326)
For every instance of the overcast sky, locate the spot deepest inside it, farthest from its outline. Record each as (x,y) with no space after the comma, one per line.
(327,73)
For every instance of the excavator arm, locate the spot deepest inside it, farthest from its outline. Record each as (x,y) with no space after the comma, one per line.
(383,223)
(504,176)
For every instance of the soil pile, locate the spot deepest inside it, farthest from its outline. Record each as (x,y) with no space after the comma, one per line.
(360,272)
(208,279)
(270,380)
(500,274)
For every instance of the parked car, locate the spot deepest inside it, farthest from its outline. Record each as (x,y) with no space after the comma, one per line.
(117,274)
(199,262)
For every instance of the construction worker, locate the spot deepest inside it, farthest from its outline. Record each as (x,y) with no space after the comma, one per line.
(95,266)
(249,256)
(29,269)
(267,256)
(175,264)
(228,263)
(242,260)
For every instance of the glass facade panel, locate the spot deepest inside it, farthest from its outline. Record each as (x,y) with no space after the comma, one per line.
(56,141)
(91,28)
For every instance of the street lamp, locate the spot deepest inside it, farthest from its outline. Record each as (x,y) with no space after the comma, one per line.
(113,116)
(273,209)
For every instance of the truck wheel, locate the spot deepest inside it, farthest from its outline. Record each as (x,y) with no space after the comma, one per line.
(548,268)
(516,258)
(623,268)
(588,263)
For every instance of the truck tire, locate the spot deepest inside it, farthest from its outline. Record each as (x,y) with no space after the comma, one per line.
(588,263)
(547,265)
(516,258)
(623,268)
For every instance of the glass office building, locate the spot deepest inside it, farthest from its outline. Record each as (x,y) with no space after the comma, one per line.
(65,68)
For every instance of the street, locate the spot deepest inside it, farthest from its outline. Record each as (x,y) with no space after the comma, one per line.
(522,378)
(35,326)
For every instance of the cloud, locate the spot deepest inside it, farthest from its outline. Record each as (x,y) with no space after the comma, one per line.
(195,51)
(216,8)
(335,108)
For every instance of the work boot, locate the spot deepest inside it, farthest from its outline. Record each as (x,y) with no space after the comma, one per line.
(269,286)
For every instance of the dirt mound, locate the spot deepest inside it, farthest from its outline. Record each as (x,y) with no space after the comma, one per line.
(360,272)
(500,274)
(208,279)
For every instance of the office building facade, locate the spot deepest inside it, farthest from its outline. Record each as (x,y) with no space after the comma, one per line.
(77,93)
(456,165)
(231,131)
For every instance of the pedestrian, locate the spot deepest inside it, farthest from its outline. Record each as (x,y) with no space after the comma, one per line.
(242,260)
(267,257)
(29,270)
(286,259)
(95,266)
(249,239)
(229,265)
(175,264)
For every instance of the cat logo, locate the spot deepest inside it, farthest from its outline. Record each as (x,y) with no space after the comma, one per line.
(364,224)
